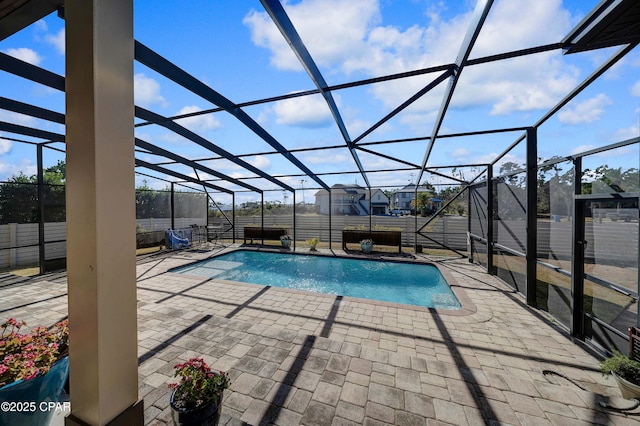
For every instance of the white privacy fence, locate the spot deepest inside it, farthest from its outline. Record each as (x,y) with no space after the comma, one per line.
(19,242)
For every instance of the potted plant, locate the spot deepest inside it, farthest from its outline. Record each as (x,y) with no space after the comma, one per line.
(626,371)
(34,367)
(366,245)
(197,398)
(313,242)
(285,240)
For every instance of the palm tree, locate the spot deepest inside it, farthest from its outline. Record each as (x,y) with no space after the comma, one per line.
(421,202)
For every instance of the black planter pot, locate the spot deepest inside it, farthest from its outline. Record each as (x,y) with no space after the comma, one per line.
(205,415)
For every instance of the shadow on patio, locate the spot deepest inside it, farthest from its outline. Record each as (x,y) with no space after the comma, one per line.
(302,358)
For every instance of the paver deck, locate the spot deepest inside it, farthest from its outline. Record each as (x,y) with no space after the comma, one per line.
(303,358)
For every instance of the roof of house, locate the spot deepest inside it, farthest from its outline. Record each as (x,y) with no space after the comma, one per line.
(412,188)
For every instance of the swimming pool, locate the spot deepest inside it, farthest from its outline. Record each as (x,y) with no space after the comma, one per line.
(408,283)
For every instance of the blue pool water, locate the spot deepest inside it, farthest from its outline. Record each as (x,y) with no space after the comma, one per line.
(408,283)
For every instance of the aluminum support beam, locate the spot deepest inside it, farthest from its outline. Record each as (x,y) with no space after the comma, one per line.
(47,78)
(172,203)
(577,255)
(31,110)
(477,20)
(28,131)
(168,154)
(41,252)
(532,216)
(57,117)
(448,73)
(281,19)
(490,218)
(184,132)
(575,92)
(31,72)
(178,175)
(161,65)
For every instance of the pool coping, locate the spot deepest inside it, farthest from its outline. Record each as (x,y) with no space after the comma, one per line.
(467,306)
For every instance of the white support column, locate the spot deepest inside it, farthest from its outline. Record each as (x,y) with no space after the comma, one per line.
(101,213)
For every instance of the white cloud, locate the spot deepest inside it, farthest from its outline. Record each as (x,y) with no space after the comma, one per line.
(170,137)
(16,118)
(331,29)
(526,83)
(201,175)
(198,123)
(488,158)
(635,90)
(357,127)
(5,146)
(306,111)
(8,170)
(25,54)
(420,122)
(146,91)
(327,158)
(460,154)
(41,25)
(627,133)
(57,40)
(346,37)
(259,161)
(585,112)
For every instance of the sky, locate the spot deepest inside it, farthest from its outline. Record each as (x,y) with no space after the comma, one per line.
(233,47)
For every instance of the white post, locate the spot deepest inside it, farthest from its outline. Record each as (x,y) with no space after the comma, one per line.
(101,243)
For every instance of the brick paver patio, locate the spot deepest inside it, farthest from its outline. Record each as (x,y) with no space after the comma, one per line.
(302,358)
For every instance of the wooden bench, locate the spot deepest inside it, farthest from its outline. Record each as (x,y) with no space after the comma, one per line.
(251,232)
(383,238)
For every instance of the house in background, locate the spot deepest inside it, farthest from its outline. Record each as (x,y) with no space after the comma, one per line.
(379,202)
(401,200)
(352,200)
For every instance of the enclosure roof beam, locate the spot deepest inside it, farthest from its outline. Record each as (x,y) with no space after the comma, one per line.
(373,80)
(31,72)
(57,117)
(188,134)
(184,177)
(148,57)
(477,20)
(448,73)
(31,110)
(47,78)
(168,154)
(168,181)
(28,131)
(619,54)
(281,19)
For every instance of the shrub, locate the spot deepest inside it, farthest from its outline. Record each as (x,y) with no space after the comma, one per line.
(622,366)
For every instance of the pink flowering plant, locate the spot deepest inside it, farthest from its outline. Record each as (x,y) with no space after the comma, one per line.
(198,385)
(24,356)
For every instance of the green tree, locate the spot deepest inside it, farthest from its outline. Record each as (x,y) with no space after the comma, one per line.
(421,202)
(19,197)
(152,202)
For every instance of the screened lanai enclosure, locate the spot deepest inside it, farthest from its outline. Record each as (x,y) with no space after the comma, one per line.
(545,197)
